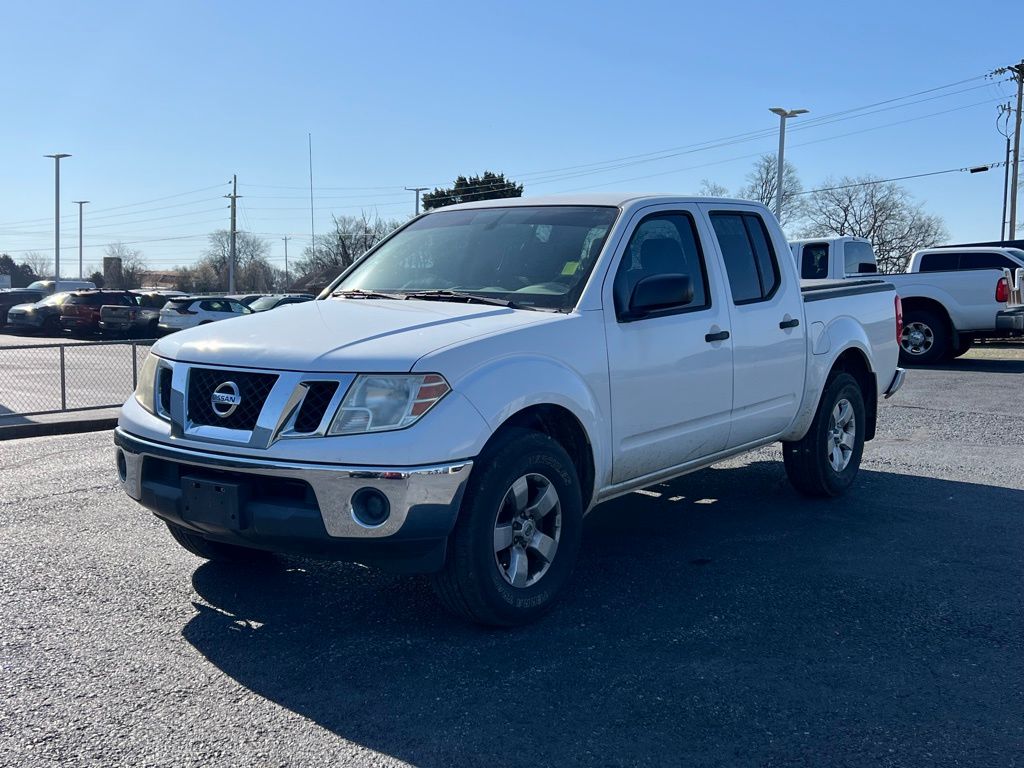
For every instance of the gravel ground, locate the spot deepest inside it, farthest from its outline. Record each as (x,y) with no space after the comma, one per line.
(716,620)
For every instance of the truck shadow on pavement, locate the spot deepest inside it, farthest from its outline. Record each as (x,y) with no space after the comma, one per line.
(716,619)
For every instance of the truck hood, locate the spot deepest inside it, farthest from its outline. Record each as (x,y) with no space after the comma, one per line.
(342,335)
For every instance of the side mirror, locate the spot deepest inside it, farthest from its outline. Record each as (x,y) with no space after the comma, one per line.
(659,292)
(867,269)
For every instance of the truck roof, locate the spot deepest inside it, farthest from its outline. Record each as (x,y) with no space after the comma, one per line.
(607,199)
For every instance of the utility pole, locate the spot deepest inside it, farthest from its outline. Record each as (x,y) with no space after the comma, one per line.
(287,282)
(233,197)
(79,203)
(417,190)
(1004,115)
(312,222)
(1016,72)
(56,217)
(781,162)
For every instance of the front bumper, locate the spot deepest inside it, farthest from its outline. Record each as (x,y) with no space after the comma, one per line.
(303,508)
(1010,321)
(25,322)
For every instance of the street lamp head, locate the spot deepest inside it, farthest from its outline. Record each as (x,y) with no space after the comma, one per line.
(80,202)
(788,112)
(58,156)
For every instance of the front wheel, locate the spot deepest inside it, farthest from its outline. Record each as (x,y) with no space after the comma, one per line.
(826,460)
(518,533)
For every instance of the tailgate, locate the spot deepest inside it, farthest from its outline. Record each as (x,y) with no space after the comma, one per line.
(115,312)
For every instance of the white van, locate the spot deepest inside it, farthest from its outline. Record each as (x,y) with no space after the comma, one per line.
(49,286)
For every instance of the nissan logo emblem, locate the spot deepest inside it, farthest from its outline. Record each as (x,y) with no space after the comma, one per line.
(225,399)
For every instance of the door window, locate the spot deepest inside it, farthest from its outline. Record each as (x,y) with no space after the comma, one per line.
(663,244)
(749,257)
(860,258)
(939,262)
(814,261)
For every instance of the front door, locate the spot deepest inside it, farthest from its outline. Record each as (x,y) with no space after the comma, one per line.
(670,371)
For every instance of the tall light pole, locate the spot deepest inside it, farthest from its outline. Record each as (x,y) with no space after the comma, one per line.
(79,203)
(287,282)
(417,190)
(783,114)
(56,217)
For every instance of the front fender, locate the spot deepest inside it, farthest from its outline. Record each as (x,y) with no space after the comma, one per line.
(506,386)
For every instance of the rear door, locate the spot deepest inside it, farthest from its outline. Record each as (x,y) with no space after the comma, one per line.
(766,313)
(671,371)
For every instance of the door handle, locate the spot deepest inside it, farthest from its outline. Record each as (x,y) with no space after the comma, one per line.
(789,323)
(720,336)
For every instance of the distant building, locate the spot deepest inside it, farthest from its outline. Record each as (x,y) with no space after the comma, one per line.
(167,281)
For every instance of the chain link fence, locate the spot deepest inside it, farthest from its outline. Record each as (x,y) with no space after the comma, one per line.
(51,378)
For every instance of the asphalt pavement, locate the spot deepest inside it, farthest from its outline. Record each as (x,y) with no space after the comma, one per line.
(717,620)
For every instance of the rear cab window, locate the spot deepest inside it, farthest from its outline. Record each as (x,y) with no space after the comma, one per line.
(750,260)
(859,258)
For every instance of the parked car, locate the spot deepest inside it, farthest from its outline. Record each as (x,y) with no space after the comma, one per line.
(459,412)
(80,312)
(189,311)
(246,298)
(142,317)
(50,286)
(11,297)
(943,311)
(264,303)
(41,315)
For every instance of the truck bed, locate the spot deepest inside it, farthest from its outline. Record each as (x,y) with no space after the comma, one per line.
(819,290)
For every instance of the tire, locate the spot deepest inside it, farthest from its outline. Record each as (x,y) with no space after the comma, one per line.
(215,550)
(925,340)
(962,347)
(816,464)
(479,581)
(51,326)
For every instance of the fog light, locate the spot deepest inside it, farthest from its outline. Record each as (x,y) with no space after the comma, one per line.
(122,466)
(370,507)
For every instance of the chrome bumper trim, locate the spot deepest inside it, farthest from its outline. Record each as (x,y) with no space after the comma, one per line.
(333,484)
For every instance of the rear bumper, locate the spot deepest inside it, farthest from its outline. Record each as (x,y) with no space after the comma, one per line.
(1010,321)
(302,508)
(897,382)
(117,325)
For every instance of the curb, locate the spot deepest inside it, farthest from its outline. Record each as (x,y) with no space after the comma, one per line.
(49,428)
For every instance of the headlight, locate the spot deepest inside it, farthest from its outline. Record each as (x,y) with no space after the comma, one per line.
(377,403)
(145,389)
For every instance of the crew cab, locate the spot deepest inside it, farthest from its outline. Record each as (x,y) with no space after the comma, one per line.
(456,401)
(950,296)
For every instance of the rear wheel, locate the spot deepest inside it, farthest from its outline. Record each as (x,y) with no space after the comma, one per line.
(925,339)
(518,533)
(826,460)
(215,550)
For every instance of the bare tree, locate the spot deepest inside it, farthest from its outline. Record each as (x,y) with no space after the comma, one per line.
(132,264)
(712,189)
(40,263)
(349,238)
(253,271)
(883,212)
(762,182)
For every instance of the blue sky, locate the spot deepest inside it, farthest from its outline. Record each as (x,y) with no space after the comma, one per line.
(164,102)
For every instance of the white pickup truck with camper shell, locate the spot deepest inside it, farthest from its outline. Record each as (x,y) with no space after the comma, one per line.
(951,295)
(458,399)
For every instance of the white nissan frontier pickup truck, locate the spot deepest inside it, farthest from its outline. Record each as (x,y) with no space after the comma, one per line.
(458,399)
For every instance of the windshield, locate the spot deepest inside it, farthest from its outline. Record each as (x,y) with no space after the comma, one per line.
(267,302)
(531,256)
(40,285)
(55,299)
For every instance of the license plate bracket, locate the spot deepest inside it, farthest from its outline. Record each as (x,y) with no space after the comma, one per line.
(210,502)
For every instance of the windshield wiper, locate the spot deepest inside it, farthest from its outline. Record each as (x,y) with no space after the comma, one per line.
(460,296)
(361,294)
